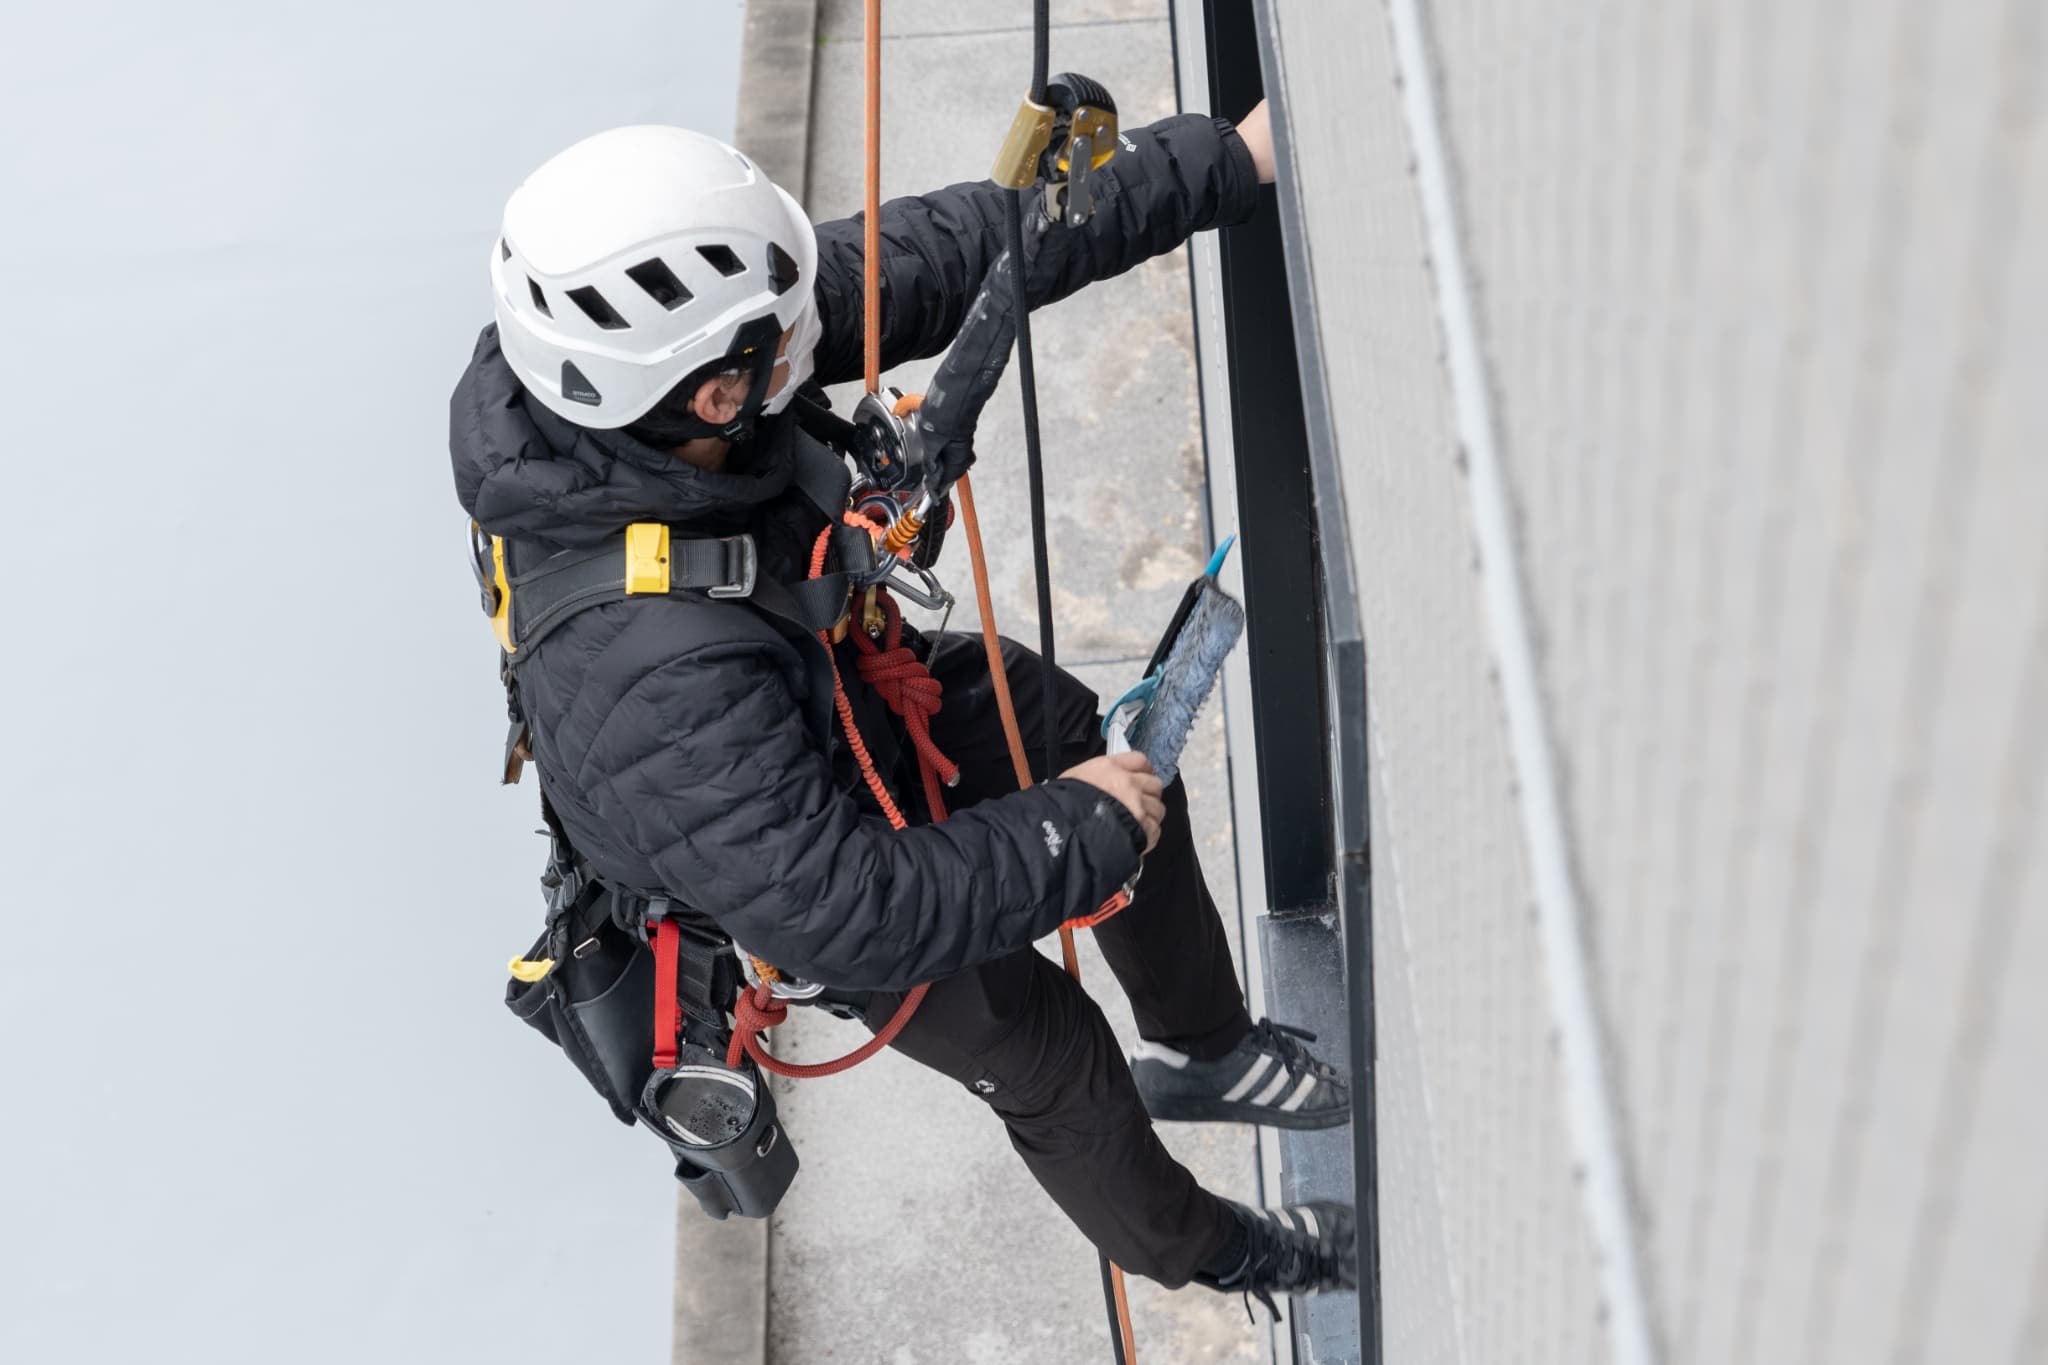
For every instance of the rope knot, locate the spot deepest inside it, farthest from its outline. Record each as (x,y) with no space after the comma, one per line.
(756,1010)
(901,681)
(906,687)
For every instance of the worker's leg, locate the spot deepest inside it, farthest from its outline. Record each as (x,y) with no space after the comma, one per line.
(1026,1040)
(1168,949)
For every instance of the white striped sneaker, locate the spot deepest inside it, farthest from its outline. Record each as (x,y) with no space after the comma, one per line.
(1268,1078)
(1301,1249)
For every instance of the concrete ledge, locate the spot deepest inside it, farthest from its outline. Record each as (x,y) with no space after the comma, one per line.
(721,1303)
(777,54)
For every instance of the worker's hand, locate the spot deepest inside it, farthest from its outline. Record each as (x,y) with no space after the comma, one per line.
(1256,128)
(1130,779)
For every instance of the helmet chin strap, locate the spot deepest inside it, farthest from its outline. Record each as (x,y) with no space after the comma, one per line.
(674,420)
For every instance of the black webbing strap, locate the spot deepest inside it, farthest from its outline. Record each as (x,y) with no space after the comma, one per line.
(707,973)
(813,605)
(570,581)
(816,604)
(550,592)
(818,421)
(724,568)
(821,474)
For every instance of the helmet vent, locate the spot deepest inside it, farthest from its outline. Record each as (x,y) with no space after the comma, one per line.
(597,309)
(540,300)
(504,250)
(723,260)
(782,269)
(660,282)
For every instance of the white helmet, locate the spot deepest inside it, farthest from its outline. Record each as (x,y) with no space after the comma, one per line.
(638,257)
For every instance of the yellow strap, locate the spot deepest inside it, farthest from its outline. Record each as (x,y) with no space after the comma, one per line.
(522,970)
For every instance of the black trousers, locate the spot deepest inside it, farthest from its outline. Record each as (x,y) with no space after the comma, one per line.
(1026,1040)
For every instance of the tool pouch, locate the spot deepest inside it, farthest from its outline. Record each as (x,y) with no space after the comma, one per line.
(731,1152)
(595,1002)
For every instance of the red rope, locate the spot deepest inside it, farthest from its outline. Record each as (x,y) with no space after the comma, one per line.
(759,1009)
(901,680)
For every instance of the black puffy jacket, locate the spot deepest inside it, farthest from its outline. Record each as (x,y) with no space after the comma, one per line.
(686,743)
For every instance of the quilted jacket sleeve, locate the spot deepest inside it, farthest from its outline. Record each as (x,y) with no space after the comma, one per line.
(1168,181)
(709,768)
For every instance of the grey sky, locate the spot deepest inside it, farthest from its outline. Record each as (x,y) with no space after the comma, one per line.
(262,1102)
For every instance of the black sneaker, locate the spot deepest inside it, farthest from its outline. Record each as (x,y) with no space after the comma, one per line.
(1301,1250)
(1268,1078)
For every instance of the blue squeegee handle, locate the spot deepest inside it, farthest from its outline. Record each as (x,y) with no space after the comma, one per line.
(1187,606)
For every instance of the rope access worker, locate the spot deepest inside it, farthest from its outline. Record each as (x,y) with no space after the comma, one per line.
(660,304)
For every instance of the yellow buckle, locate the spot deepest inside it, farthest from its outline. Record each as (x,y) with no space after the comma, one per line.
(501,614)
(647,557)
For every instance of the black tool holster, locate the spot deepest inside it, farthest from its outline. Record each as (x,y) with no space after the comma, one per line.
(599,1004)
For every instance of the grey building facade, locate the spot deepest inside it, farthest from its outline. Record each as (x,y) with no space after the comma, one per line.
(1672,381)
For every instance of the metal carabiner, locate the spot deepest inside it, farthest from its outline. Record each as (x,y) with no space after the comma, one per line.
(780,986)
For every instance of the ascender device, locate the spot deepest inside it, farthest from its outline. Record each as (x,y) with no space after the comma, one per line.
(1060,144)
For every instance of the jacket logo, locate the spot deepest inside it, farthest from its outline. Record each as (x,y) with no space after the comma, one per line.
(1055,842)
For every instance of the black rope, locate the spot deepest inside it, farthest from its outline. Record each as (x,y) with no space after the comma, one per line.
(1116,1326)
(1034,463)
(1041,47)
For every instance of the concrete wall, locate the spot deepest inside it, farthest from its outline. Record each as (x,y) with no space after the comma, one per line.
(1685,365)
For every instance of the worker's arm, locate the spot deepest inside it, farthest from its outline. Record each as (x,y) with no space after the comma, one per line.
(711,770)
(1166,182)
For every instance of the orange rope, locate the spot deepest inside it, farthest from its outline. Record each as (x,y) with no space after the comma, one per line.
(982,601)
(872,303)
(1000,675)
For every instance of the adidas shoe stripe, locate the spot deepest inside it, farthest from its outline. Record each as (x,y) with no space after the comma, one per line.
(1250,1078)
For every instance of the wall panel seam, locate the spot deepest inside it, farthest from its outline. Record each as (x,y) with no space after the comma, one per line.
(1589,1101)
